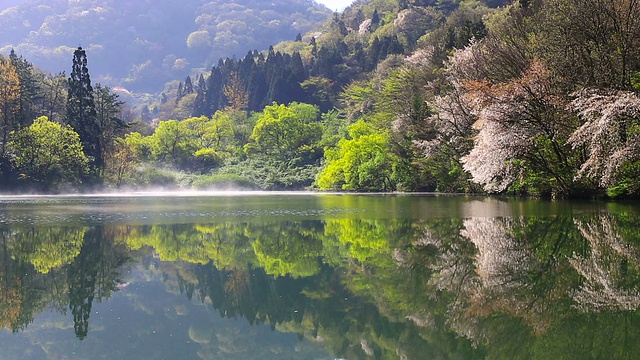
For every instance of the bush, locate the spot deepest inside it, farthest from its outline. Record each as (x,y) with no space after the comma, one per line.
(223,182)
(151,177)
(269,174)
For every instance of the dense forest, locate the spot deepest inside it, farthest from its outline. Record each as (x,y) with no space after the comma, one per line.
(535,98)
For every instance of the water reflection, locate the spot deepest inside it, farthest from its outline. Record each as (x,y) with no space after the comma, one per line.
(516,283)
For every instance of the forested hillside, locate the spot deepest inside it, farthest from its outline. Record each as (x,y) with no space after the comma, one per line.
(532,97)
(143,44)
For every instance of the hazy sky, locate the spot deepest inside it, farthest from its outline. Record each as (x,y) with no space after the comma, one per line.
(336,4)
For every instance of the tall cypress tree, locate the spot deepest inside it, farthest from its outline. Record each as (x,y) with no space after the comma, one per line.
(81,111)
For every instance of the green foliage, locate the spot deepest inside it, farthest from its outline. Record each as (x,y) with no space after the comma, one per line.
(286,132)
(362,163)
(635,81)
(207,158)
(49,155)
(172,142)
(223,181)
(270,173)
(216,133)
(150,177)
(48,248)
(627,185)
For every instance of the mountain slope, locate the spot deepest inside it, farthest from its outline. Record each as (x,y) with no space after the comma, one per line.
(143,44)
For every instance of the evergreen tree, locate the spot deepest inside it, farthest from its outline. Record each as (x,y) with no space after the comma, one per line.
(199,107)
(81,111)
(357,20)
(145,114)
(214,92)
(179,93)
(375,19)
(188,86)
(297,67)
(314,49)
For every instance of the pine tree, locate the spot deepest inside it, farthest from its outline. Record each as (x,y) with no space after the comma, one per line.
(314,49)
(81,111)
(375,19)
(179,93)
(200,105)
(188,85)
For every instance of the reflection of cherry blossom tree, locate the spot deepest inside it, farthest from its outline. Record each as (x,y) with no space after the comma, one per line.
(499,255)
(605,268)
(513,277)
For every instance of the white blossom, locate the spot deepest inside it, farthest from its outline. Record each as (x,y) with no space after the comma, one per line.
(608,117)
(600,289)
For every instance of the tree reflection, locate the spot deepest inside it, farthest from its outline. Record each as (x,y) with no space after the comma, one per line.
(93,273)
(523,279)
(56,267)
(538,287)
(610,269)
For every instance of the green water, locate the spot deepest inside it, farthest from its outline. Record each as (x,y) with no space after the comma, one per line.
(306,276)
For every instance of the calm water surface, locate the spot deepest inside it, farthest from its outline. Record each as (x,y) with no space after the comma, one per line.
(308,276)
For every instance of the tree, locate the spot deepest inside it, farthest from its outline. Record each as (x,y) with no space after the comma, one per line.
(362,163)
(49,154)
(235,92)
(173,141)
(519,131)
(9,101)
(30,89)
(215,133)
(108,117)
(594,43)
(54,96)
(81,111)
(610,133)
(284,131)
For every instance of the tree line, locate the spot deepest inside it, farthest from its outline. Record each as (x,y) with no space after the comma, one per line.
(56,131)
(533,97)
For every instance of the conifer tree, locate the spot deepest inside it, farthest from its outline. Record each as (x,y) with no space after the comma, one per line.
(375,18)
(81,110)
(200,105)
(188,86)
(180,93)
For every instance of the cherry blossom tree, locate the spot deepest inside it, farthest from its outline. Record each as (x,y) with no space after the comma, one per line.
(610,134)
(521,126)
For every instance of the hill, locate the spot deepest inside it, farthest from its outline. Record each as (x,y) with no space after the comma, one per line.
(143,44)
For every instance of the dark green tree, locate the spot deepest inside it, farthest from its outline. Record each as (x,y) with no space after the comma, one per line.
(81,112)
(375,18)
(200,105)
(188,85)
(179,93)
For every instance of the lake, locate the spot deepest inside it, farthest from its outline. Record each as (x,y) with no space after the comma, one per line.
(317,276)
